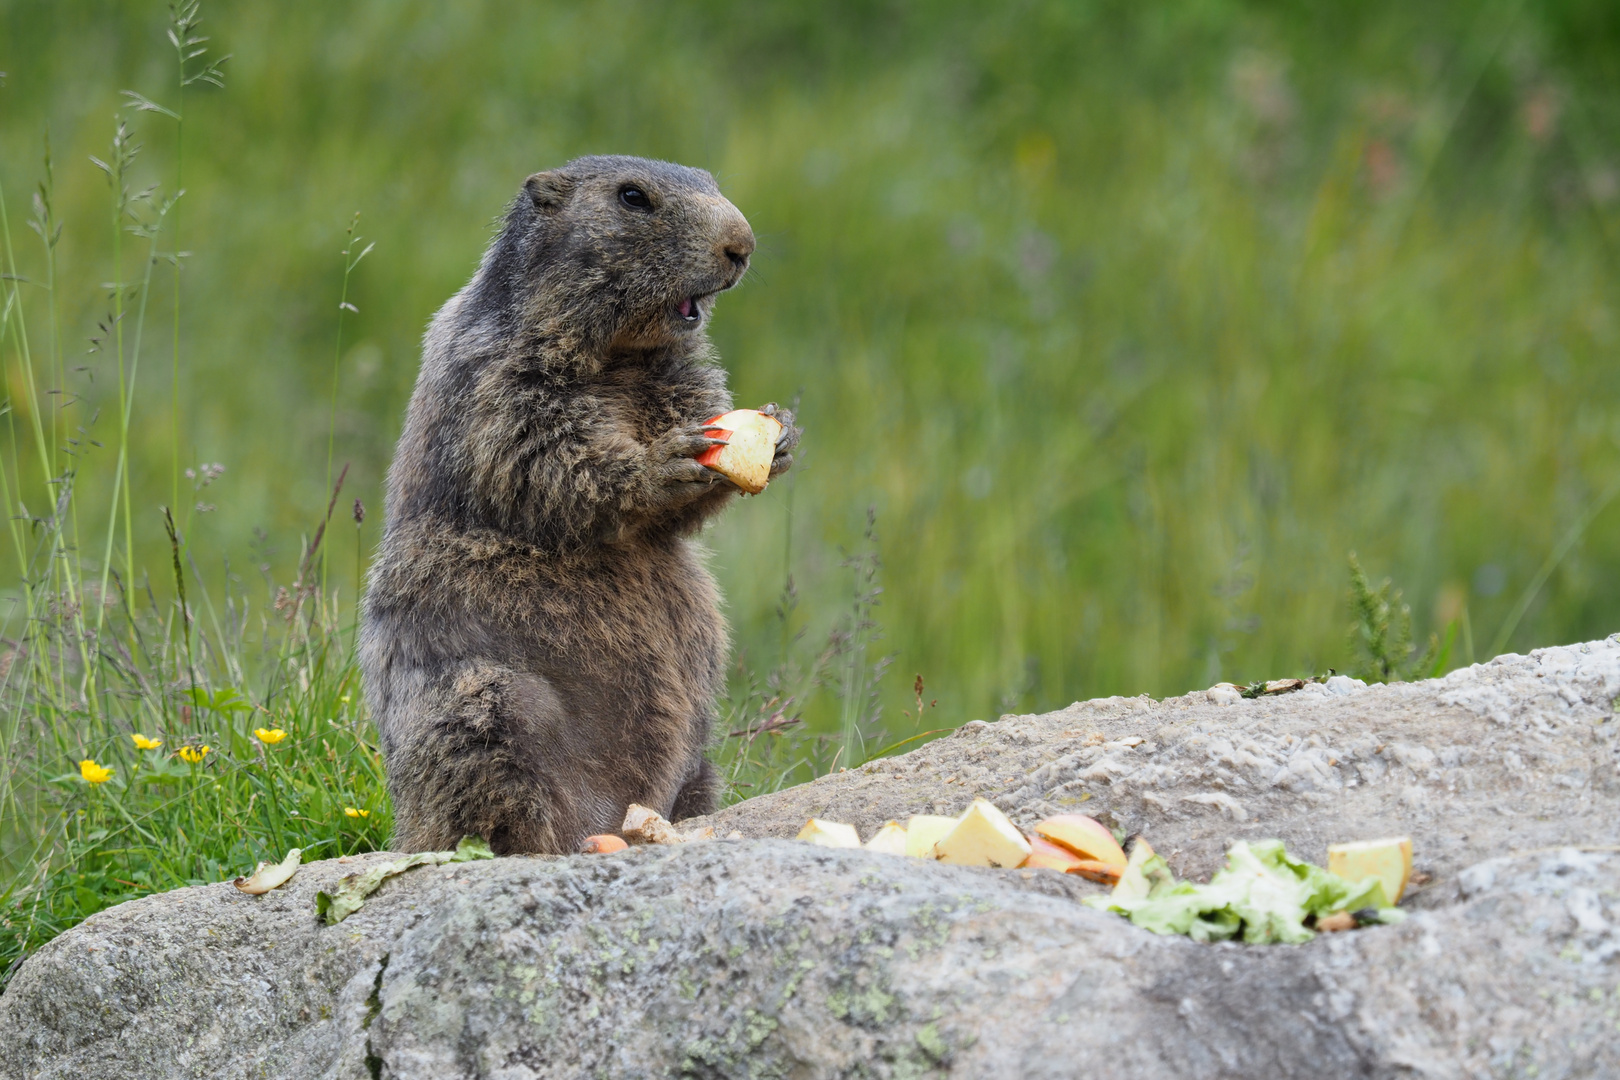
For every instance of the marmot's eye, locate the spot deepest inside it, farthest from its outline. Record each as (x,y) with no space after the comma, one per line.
(635,198)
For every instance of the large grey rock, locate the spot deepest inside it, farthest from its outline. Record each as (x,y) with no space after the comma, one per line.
(768,958)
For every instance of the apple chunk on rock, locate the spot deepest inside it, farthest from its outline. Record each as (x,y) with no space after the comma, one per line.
(1045,855)
(829,834)
(983,836)
(891,839)
(1390,861)
(1086,837)
(602,844)
(1101,872)
(923,831)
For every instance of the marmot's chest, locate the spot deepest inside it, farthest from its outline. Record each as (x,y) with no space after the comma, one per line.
(646,404)
(639,636)
(637,602)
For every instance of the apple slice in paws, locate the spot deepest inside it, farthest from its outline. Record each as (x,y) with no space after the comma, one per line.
(750,446)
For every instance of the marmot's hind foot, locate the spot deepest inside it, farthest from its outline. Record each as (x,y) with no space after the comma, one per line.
(699,795)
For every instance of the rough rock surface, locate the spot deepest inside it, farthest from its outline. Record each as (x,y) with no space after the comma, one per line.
(1516,754)
(768,958)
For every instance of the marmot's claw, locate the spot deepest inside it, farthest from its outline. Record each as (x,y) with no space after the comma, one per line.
(786,441)
(674,475)
(785,418)
(684,443)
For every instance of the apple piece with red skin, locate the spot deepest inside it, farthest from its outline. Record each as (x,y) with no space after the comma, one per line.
(602,844)
(1086,837)
(749,438)
(1045,855)
(1101,872)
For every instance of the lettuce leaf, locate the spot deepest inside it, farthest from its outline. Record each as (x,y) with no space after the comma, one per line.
(1262,894)
(352,890)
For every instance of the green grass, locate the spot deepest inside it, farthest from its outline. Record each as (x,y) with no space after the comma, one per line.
(150,743)
(1128,323)
(160,821)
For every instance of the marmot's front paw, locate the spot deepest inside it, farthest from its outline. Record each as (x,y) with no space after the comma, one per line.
(674,472)
(785,442)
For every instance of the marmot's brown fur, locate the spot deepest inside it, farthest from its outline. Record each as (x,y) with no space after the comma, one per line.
(541,644)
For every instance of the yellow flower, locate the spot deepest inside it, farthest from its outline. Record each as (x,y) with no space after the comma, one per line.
(93,773)
(143,743)
(350,811)
(194,754)
(269,736)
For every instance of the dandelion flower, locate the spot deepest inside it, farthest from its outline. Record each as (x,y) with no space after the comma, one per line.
(143,743)
(349,811)
(269,736)
(194,754)
(93,773)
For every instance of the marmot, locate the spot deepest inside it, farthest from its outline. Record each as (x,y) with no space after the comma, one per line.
(541,644)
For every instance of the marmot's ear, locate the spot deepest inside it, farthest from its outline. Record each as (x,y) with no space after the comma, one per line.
(549,190)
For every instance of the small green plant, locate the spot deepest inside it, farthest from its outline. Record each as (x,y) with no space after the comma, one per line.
(1381,635)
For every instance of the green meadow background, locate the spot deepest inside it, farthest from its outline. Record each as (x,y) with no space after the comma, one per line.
(1128,322)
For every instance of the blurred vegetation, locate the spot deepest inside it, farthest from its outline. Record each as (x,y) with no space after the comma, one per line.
(1127,323)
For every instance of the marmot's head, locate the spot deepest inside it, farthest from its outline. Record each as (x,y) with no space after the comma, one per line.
(620,251)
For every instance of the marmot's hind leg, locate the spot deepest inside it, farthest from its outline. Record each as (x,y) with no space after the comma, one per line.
(467,765)
(699,795)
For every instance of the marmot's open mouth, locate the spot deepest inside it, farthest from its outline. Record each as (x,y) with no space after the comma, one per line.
(689,311)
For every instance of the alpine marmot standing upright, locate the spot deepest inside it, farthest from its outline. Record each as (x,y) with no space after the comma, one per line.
(541,644)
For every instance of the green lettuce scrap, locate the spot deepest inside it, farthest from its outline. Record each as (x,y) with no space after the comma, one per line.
(352,890)
(1261,893)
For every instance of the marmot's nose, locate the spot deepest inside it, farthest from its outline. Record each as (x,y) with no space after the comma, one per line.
(737,243)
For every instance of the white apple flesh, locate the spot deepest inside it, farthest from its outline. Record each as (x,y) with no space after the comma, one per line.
(983,836)
(829,834)
(750,447)
(891,839)
(1390,861)
(923,831)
